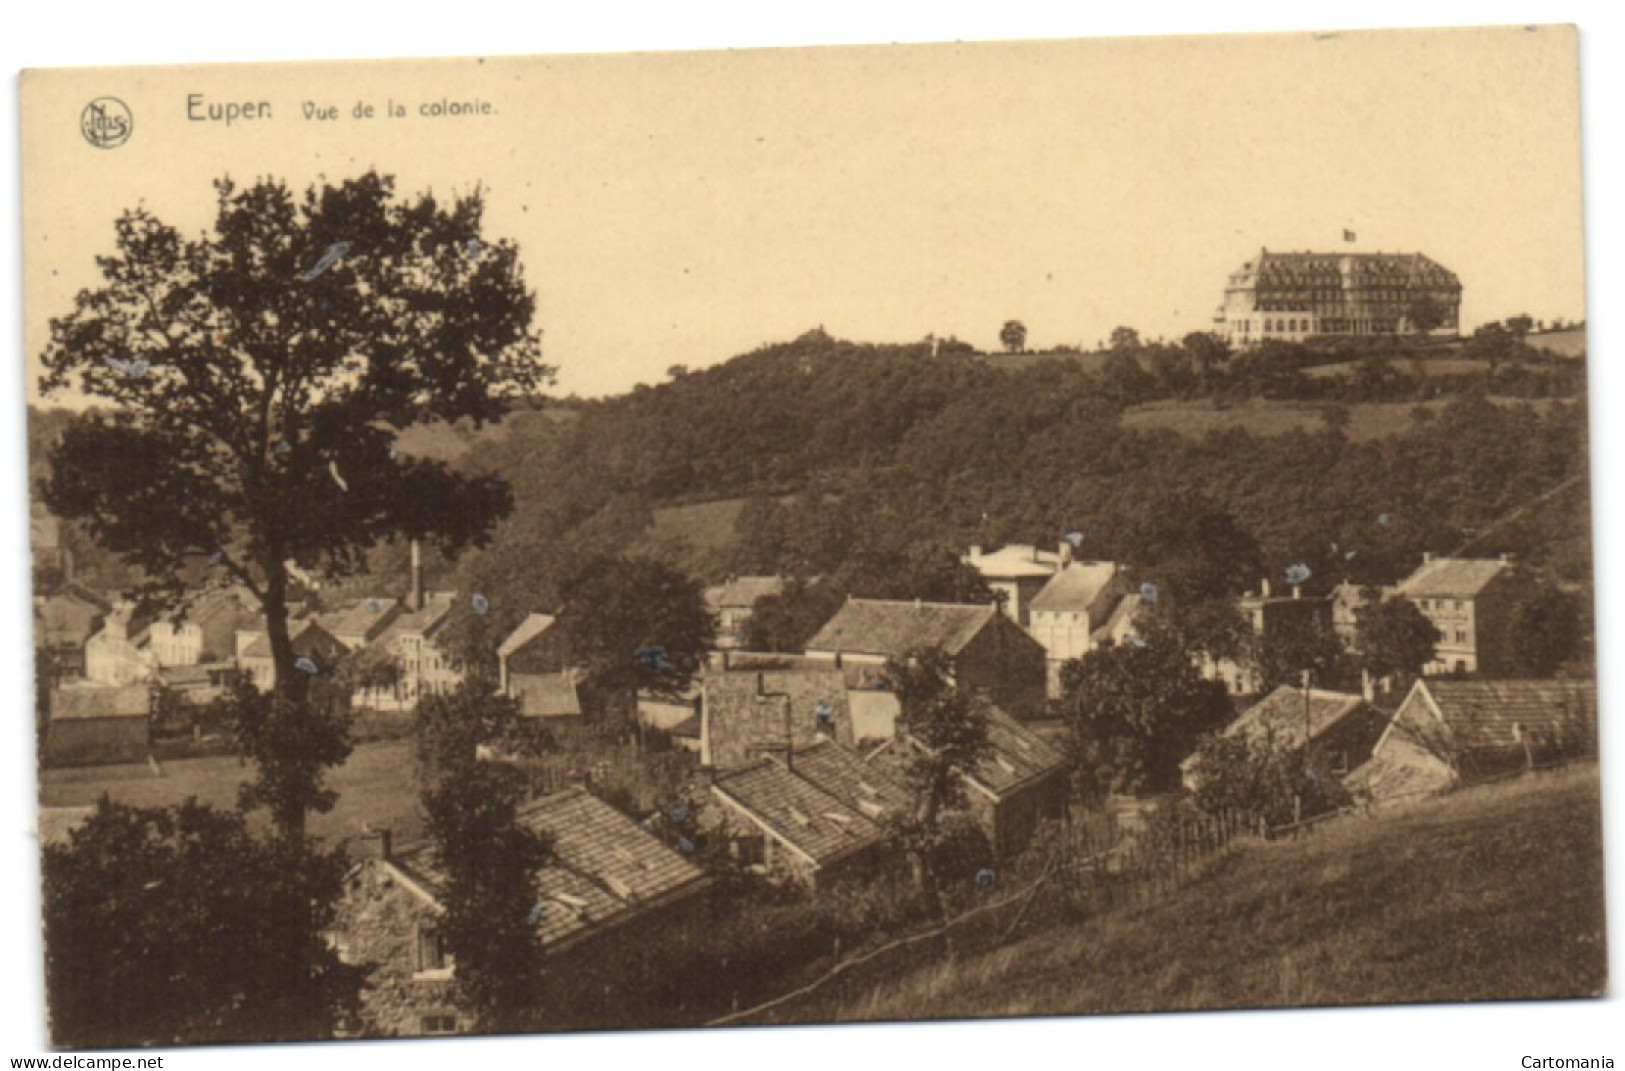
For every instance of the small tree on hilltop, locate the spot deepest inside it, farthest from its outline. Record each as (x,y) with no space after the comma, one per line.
(1134,713)
(1013,336)
(1393,637)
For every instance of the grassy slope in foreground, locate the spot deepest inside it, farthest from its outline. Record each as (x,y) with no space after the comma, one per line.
(1496,893)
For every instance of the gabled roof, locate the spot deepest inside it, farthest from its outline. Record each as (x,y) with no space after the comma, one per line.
(816,825)
(364,618)
(1019,755)
(1281,714)
(307,637)
(1501,713)
(857,675)
(743,714)
(532,626)
(1014,561)
(437,608)
(1121,619)
(604,870)
(76,592)
(1452,578)
(891,628)
(1075,588)
(872,789)
(742,591)
(81,701)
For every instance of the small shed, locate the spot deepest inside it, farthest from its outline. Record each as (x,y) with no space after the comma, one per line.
(97,725)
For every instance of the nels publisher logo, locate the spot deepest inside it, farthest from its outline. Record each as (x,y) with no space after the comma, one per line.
(106,122)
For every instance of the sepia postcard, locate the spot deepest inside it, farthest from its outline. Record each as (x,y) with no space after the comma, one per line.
(810,535)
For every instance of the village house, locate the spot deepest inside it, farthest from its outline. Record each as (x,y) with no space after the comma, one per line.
(1269,615)
(1342,726)
(733,602)
(120,653)
(1471,601)
(1017,572)
(411,642)
(1452,731)
(1069,611)
(988,651)
(94,724)
(608,886)
(203,632)
(308,639)
(533,667)
(359,624)
(869,699)
(782,824)
(746,714)
(64,622)
(1347,601)
(1019,785)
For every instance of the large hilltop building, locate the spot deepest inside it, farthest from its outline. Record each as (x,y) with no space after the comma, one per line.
(1293,296)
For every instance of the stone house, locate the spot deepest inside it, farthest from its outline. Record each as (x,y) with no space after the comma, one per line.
(1471,601)
(93,724)
(733,602)
(989,652)
(1017,572)
(1344,726)
(609,885)
(1448,732)
(746,714)
(1068,612)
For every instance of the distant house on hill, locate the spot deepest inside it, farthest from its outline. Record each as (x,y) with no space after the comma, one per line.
(989,652)
(1471,601)
(64,622)
(608,886)
(1066,613)
(1017,572)
(733,602)
(749,713)
(1451,731)
(1342,725)
(94,724)
(533,669)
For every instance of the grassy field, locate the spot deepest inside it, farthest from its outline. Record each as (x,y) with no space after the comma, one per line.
(1367,420)
(1495,893)
(375,786)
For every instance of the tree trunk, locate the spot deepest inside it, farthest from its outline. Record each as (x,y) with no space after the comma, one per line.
(289,691)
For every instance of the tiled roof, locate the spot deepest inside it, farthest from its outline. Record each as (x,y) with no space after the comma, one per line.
(743,715)
(308,637)
(871,789)
(98,701)
(1075,588)
(1014,561)
(604,870)
(857,675)
(363,618)
(1281,714)
(437,607)
(818,824)
(1019,754)
(1487,713)
(882,627)
(1459,578)
(742,591)
(532,626)
(545,695)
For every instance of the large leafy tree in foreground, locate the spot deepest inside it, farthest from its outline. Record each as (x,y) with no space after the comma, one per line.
(167,925)
(256,376)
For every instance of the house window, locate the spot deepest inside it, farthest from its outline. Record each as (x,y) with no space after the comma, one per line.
(751,850)
(1461,635)
(440,1024)
(432,957)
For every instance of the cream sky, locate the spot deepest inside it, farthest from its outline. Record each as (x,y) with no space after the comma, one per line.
(684,208)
